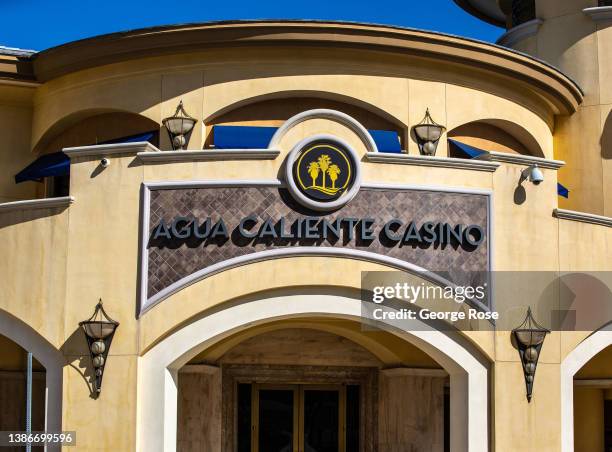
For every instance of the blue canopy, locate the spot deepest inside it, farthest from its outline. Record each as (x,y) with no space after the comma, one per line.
(386,141)
(58,163)
(253,137)
(242,137)
(469,151)
(562,191)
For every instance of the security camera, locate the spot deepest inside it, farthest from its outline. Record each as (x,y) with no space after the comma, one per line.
(534,174)
(105,162)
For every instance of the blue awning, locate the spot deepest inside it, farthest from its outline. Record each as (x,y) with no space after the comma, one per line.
(254,137)
(386,140)
(469,151)
(562,191)
(58,163)
(242,137)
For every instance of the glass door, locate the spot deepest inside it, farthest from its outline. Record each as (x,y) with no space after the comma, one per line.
(298,418)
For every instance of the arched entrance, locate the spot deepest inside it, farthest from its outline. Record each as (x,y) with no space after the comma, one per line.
(49,388)
(158,382)
(586,389)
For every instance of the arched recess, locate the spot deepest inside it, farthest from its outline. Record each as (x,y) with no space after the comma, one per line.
(497,135)
(274,109)
(158,367)
(92,126)
(570,366)
(47,355)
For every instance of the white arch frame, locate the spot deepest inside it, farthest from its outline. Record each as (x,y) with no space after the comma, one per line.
(572,363)
(156,420)
(51,358)
(332,115)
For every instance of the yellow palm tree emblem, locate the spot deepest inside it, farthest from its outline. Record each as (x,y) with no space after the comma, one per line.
(333,172)
(313,170)
(326,167)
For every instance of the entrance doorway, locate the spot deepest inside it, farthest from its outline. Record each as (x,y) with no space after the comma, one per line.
(298,418)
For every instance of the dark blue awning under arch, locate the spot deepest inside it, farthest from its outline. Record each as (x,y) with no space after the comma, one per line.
(58,163)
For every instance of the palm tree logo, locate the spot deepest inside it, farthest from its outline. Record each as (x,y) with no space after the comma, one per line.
(324,166)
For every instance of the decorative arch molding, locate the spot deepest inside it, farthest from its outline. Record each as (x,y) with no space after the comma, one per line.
(572,363)
(72,119)
(51,358)
(315,94)
(158,368)
(509,131)
(332,115)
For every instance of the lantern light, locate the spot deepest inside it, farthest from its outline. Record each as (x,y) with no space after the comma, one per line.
(530,337)
(99,330)
(428,133)
(179,126)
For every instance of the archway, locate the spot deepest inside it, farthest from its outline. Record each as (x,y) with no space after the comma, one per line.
(571,367)
(49,358)
(159,367)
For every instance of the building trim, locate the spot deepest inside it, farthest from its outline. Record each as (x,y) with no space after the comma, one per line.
(583,217)
(102,150)
(601,383)
(536,76)
(206,369)
(414,372)
(599,13)
(426,160)
(519,159)
(332,115)
(31,204)
(520,32)
(207,155)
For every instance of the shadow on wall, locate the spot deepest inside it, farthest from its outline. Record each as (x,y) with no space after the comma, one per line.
(606,138)
(77,356)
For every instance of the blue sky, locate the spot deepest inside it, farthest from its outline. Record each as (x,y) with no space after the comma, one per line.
(40,24)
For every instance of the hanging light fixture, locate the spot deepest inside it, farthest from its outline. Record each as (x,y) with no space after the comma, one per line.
(529,337)
(428,133)
(99,330)
(179,126)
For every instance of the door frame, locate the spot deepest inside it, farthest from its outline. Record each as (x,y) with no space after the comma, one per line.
(298,411)
(311,376)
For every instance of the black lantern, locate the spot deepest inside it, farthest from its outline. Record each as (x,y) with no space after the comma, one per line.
(529,337)
(428,133)
(179,126)
(99,330)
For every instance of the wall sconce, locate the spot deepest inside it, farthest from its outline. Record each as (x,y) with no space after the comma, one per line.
(179,126)
(529,337)
(428,133)
(99,330)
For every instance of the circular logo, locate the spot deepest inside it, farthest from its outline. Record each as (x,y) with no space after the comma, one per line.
(323,172)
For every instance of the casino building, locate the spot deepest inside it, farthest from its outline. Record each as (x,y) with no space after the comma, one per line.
(233,191)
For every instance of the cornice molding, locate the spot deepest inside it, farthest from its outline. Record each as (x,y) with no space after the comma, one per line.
(599,13)
(583,217)
(208,155)
(520,32)
(103,150)
(537,76)
(425,160)
(518,159)
(31,204)
(414,372)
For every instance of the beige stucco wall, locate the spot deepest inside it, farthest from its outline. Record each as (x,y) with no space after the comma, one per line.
(582,48)
(15,128)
